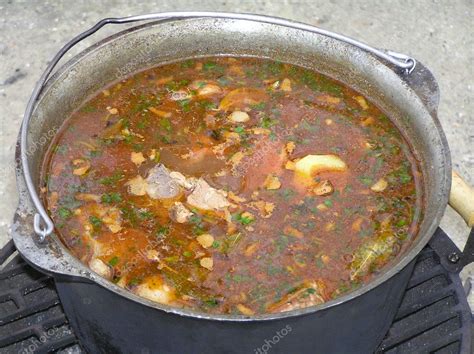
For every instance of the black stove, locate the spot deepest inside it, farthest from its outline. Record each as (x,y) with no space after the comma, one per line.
(434,316)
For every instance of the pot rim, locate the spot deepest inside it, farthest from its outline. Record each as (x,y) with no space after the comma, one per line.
(82,271)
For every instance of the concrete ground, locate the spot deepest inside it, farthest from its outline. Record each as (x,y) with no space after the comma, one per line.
(438,33)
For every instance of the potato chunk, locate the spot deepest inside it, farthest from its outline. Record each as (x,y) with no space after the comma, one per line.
(137,158)
(207,263)
(100,268)
(205,240)
(310,165)
(380,185)
(81,167)
(323,188)
(154,289)
(239,117)
(137,186)
(272,182)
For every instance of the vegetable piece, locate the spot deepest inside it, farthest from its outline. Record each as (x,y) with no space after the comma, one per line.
(251,249)
(265,208)
(242,98)
(159,113)
(326,99)
(64,212)
(111,180)
(272,182)
(153,255)
(107,215)
(110,198)
(323,188)
(380,185)
(112,110)
(205,88)
(179,213)
(87,197)
(239,117)
(310,165)
(245,310)
(367,121)
(114,261)
(137,158)
(100,268)
(154,289)
(206,262)
(137,186)
(286,85)
(205,240)
(81,167)
(291,231)
(362,102)
(290,147)
(244,218)
(290,165)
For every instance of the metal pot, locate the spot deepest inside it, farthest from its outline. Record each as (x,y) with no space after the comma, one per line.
(355,322)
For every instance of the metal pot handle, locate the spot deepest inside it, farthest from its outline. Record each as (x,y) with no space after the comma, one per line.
(461,199)
(43,225)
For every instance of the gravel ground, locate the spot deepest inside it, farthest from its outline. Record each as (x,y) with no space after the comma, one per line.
(438,33)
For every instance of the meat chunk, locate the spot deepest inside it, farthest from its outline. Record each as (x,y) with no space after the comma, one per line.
(205,197)
(179,213)
(160,185)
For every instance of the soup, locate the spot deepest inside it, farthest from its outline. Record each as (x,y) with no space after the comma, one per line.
(233,185)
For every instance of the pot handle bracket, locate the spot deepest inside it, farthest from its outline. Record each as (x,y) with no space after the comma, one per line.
(461,199)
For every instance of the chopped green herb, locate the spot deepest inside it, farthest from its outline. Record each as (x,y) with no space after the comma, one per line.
(401,222)
(207,105)
(366,180)
(166,124)
(244,220)
(111,180)
(114,261)
(328,203)
(162,231)
(187,64)
(110,198)
(134,281)
(258,106)
(210,302)
(287,193)
(268,122)
(64,212)
(96,222)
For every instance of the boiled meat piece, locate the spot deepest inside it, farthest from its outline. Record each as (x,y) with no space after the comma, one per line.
(160,185)
(205,197)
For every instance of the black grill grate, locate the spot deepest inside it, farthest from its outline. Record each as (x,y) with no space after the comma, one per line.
(433,317)
(31,317)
